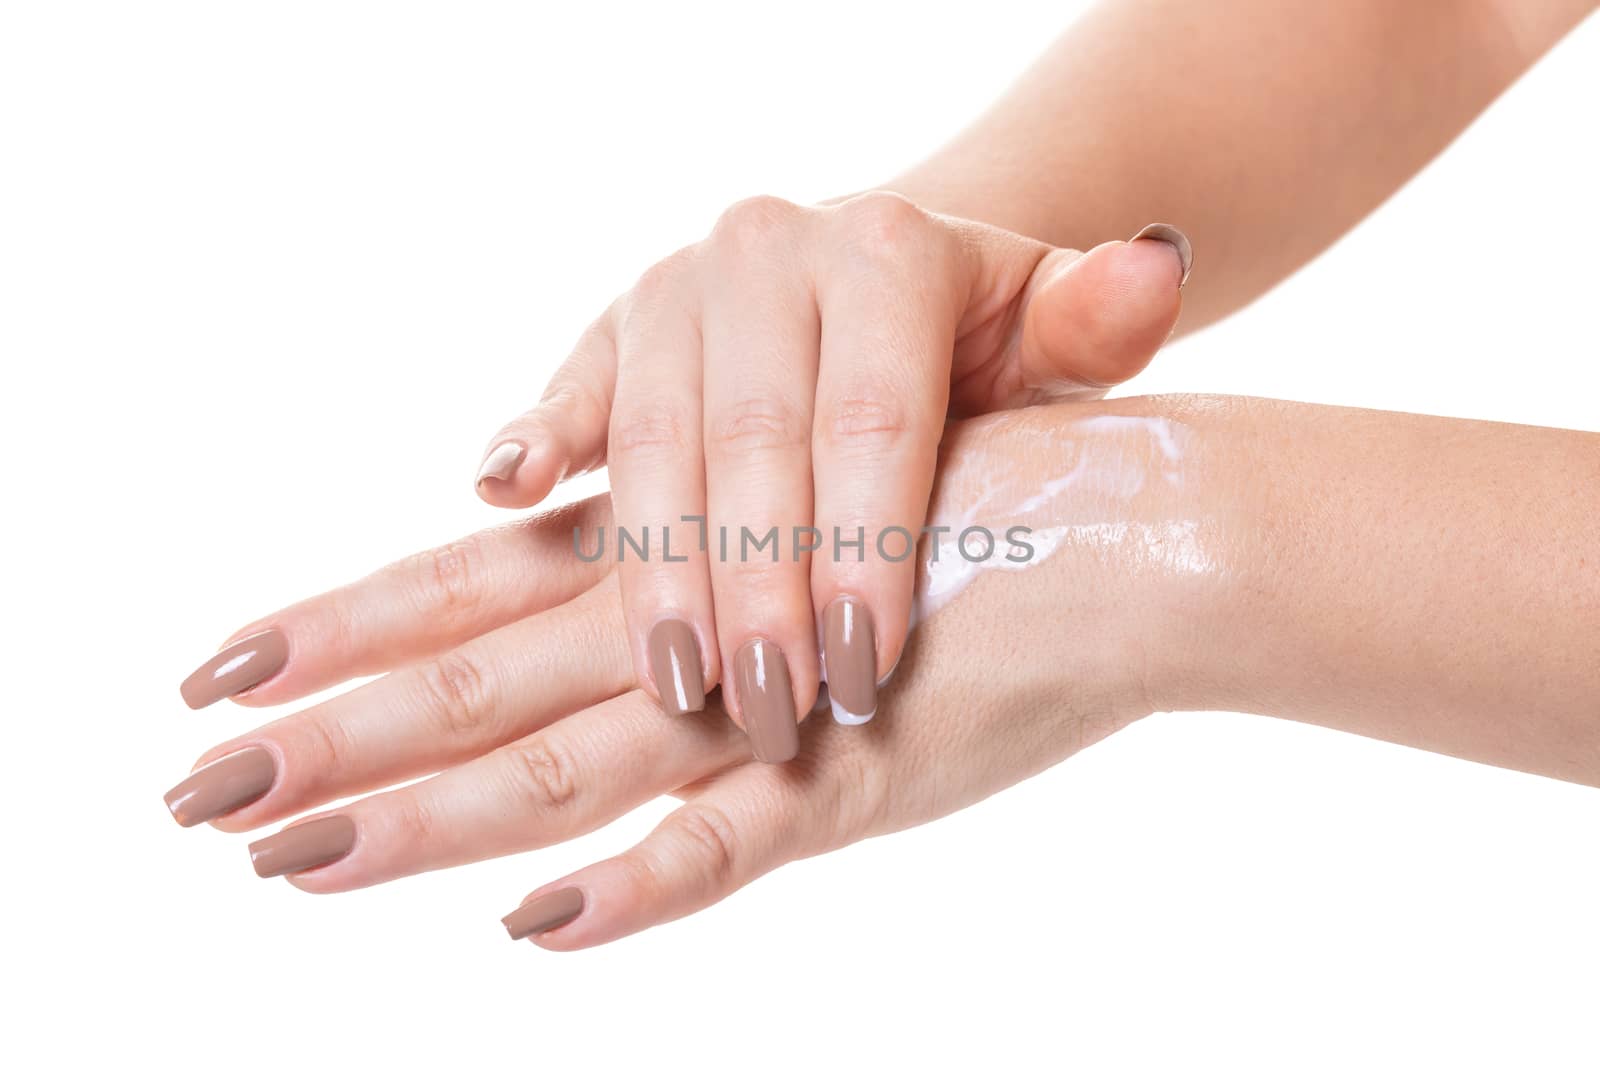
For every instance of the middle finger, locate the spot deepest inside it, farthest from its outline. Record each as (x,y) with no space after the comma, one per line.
(761,336)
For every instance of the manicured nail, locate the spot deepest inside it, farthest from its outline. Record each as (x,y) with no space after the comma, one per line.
(766,701)
(303,846)
(850,652)
(235,668)
(222,786)
(544,913)
(675,665)
(1180,243)
(502,461)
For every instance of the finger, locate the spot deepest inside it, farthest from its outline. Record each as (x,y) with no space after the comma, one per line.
(760,330)
(891,296)
(658,491)
(556,784)
(1097,319)
(745,824)
(492,690)
(405,612)
(564,435)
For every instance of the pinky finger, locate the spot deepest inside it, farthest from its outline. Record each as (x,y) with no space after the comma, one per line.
(744,825)
(563,435)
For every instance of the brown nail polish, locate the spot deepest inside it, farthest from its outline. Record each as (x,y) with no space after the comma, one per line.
(544,913)
(303,846)
(1179,242)
(237,667)
(503,461)
(222,786)
(675,665)
(766,701)
(851,652)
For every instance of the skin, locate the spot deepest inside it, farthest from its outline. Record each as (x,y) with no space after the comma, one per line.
(796,367)
(1458,615)
(1264,129)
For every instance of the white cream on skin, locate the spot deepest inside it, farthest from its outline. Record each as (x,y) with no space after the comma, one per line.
(1097,474)
(1104,464)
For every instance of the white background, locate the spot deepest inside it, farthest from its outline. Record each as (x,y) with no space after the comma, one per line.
(269,277)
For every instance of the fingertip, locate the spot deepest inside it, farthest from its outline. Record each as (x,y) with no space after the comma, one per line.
(850,651)
(543,915)
(516,476)
(845,717)
(246,664)
(1100,319)
(502,462)
(604,902)
(1176,242)
(672,669)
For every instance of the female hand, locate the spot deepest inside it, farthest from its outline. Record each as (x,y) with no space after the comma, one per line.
(784,384)
(521,701)
(1165,568)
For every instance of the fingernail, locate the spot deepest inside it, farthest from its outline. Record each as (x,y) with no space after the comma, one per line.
(851,654)
(502,461)
(222,786)
(1180,243)
(766,701)
(675,665)
(544,913)
(235,668)
(304,845)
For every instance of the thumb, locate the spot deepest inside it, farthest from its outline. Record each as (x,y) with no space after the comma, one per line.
(1095,319)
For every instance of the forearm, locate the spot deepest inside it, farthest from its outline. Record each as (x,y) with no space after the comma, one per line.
(1264,129)
(1434,582)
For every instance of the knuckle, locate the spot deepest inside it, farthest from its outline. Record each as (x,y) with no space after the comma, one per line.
(864,420)
(758,423)
(881,223)
(331,748)
(544,774)
(711,840)
(449,579)
(751,223)
(413,823)
(664,278)
(571,397)
(651,427)
(457,693)
(755,573)
(339,623)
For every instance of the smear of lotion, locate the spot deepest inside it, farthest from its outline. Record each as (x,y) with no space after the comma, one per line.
(1106,463)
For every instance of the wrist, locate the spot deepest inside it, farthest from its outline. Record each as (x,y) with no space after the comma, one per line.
(1127,542)
(1270,514)
(1176,542)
